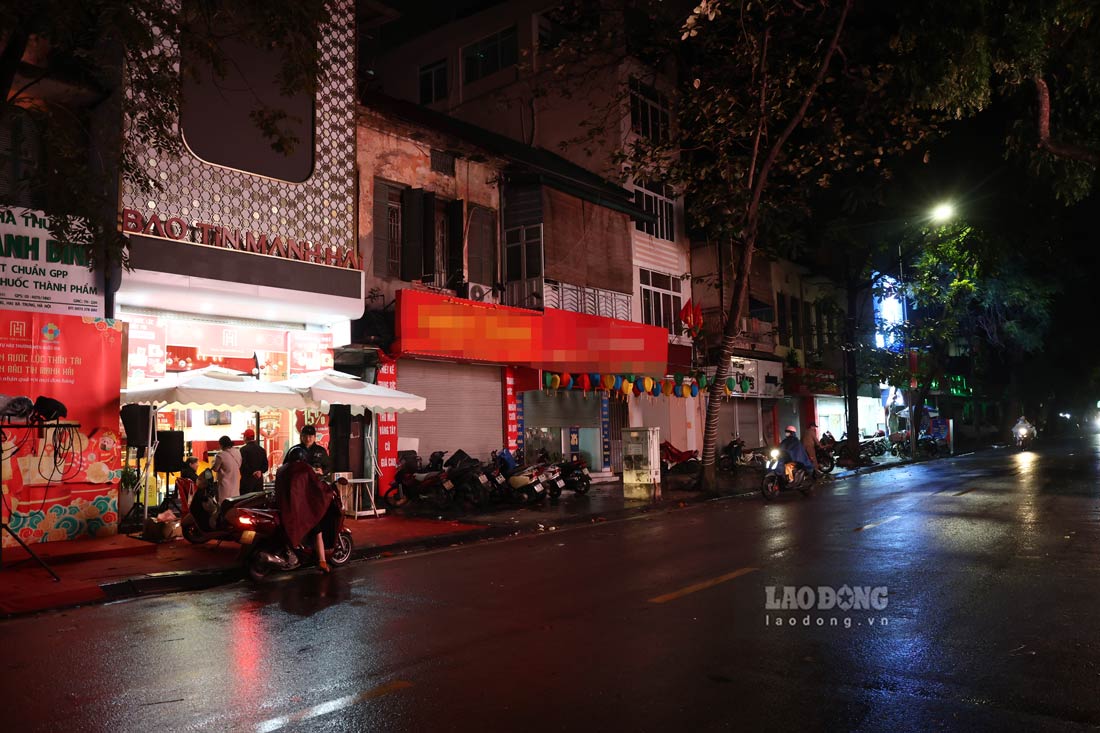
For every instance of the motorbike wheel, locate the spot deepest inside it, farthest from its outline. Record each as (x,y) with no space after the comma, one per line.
(770,487)
(476,494)
(826,462)
(192,533)
(256,567)
(581,487)
(341,553)
(396,497)
(807,490)
(725,463)
(553,490)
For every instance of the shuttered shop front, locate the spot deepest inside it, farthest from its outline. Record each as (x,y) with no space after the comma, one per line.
(465,407)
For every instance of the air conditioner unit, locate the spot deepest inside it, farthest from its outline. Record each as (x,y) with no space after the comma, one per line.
(482,293)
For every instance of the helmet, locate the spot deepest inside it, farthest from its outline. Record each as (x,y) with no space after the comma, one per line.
(297,453)
(792,429)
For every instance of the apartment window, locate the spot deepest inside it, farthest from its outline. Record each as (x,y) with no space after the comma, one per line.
(796,323)
(387,229)
(489,55)
(656,199)
(482,246)
(523,253)
(784,323)
(649,112)
(661,300)
(433,82)
(443,163)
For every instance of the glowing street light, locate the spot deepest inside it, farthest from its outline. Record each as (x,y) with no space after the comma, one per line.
(943,212)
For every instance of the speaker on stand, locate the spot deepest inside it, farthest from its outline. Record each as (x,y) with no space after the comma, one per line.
(168,459)
(139,424)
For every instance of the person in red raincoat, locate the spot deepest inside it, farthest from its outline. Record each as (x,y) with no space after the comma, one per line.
(305,504)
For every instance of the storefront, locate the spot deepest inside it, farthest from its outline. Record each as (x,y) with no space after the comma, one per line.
(754,403)
(487,369)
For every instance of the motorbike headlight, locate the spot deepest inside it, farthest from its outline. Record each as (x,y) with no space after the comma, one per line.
(1021,431)
(774,453)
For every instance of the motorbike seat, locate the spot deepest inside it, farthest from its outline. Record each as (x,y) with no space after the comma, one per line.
(235,500)
(426,475)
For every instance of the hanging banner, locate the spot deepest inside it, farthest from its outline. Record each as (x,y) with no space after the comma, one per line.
(511,421)
(309,351)
(61,483)
(38,273)
(387,427)
(147,339)
(605,431)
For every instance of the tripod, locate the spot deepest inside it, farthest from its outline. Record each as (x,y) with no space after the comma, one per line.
(4,525)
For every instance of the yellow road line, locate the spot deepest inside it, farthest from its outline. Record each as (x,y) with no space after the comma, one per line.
(701,585)
(331,706)
(872,525)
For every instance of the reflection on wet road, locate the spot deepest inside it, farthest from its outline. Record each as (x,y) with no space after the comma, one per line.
(734,614)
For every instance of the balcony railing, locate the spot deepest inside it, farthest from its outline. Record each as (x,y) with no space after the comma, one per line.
(539,293)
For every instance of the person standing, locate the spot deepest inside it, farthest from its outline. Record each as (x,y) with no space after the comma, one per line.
(316,455)
(253,463)
(812,445)
(227,466)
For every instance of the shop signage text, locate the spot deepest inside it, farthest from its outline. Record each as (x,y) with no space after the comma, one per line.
(41,274)
(217,235)
(511,415)
(387,426)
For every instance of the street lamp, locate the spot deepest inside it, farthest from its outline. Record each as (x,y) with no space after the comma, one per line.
(943,212)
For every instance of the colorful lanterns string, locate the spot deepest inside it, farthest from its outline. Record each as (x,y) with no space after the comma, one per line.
(695,390)
(555,381)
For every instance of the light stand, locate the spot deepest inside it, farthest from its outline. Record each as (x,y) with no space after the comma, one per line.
(4,525)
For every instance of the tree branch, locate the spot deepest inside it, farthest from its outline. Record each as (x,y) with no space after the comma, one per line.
(1059,149)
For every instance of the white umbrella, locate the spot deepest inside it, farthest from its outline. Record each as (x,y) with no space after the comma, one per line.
(215,388)
(330,387)
(927,411)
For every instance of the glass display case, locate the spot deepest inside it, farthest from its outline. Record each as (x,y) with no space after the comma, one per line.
(642,463)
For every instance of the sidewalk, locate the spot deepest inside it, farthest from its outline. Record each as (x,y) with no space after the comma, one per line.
(95,571)
(98,570)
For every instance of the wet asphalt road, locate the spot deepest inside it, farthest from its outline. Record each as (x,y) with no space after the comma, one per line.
(655,623)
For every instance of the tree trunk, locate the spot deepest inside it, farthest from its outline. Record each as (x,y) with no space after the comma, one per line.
(709,471)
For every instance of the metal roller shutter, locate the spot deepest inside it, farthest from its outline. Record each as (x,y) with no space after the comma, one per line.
(465,407)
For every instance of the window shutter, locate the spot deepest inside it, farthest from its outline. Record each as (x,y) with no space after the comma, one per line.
(427,234)
(456,229)
(381,231)
(412,234)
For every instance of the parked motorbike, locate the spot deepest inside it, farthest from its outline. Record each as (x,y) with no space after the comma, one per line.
(412,484)
(783,474)
(734,454)
(672,457)
(1024,437)
(826,461)
(468,477)
(205,519)
(265,544)
(529,483)
(574,473)
(927,446)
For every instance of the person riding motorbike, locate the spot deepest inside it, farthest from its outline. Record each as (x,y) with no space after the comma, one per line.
(315,452)
(305,504)
(795,450)
(1024,424)
(812,445)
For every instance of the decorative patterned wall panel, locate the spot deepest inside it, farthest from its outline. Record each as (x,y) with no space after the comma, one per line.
(320,210)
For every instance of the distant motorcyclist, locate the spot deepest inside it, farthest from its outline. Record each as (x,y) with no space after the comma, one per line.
(1023,424)
(795,450)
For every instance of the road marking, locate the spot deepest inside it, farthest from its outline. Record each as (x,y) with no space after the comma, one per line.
(331,706)
(872,525)
(702,585)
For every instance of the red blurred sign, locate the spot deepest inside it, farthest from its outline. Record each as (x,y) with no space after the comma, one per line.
(437,325)
(147,338)
(309,351)
(387,427)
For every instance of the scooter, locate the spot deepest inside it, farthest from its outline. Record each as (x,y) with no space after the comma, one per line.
(206,518)
(1024,438)
(469,479)
(265,547)
(574,473)
(412,484)
(783,474)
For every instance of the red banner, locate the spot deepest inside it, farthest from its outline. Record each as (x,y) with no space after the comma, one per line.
(309,351)
(511,419)
(147,339)
(62,483)
(387,427)
(436,325)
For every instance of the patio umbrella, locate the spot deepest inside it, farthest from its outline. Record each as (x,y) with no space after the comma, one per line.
(330,387)
(928,412)
(215,388)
